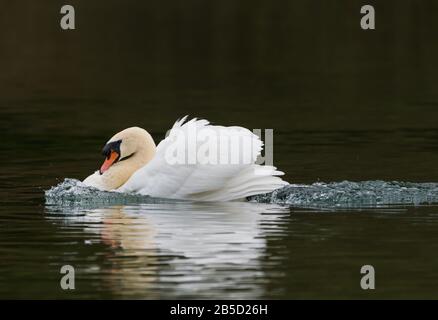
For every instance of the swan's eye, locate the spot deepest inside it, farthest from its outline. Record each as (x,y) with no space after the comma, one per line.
(111,146)
(111,151)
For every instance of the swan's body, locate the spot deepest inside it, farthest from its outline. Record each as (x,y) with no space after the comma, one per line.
(192,162)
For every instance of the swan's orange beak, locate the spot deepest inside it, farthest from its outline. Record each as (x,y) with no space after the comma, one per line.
(109,161)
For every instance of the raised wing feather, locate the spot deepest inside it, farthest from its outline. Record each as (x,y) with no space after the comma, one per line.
(176,172)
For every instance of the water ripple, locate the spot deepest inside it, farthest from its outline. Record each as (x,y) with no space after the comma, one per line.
(349,194)
(344,194)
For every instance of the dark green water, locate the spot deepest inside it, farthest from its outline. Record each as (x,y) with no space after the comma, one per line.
(344,104)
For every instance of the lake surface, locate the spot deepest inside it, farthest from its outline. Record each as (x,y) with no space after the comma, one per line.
(344,104)
(212,250)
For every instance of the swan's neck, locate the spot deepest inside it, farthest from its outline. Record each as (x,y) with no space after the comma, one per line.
(120,172)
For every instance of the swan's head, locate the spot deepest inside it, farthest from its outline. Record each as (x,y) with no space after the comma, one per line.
(134,144)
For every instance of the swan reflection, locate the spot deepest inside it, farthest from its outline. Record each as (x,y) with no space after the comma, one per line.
(180,249)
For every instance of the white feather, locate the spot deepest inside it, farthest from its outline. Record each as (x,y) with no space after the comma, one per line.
(205,182)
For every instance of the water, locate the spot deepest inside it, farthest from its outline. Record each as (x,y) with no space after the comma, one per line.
(349,194)
(355,129)
(336,195)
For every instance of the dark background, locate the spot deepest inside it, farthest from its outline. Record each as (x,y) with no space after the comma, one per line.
(357,103)
(344,103)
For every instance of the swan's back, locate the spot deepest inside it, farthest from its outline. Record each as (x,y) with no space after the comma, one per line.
(184,166)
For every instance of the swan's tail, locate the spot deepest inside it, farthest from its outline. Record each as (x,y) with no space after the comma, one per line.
(255,179)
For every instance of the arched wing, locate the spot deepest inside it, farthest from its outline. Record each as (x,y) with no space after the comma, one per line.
(200,161)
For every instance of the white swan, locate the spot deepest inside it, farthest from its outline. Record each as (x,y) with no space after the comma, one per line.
(196,161)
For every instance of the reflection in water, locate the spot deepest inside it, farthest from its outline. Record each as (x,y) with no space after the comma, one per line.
(180,249)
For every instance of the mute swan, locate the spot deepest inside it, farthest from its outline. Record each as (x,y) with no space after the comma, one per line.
(196,161)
